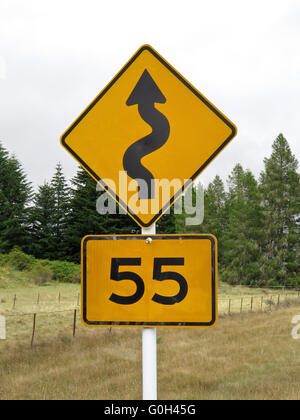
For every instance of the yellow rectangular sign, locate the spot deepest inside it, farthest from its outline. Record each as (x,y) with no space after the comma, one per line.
(149,280)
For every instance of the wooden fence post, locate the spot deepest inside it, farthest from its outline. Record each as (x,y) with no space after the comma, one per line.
(242,300)
(14,304)
(33,329)
(74,323)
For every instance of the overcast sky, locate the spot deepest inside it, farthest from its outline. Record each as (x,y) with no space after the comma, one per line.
(56,56)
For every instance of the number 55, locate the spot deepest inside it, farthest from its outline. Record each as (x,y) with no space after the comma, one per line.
(157,275)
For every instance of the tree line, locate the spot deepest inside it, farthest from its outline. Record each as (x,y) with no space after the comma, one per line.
(256,221)
(50,223)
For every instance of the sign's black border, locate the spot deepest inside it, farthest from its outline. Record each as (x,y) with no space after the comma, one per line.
(192,178)
(142,237)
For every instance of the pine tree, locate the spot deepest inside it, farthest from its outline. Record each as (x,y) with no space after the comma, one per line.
(214,212)
(280,190)
(4,201)
(82,218)
(243,234)
(61,193)
(215,220)
(166,224)
(43,243)
(15,196)
(188,216)
(121,224)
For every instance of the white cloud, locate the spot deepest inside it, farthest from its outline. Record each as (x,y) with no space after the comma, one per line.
(243,56)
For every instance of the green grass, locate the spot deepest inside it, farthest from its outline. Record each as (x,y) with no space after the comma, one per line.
(19,293)
(30,298)
(246,356)
(250,356)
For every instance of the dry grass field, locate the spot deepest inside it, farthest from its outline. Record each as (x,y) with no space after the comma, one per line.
(246,356)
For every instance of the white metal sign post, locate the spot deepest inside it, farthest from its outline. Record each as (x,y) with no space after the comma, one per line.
(149,351)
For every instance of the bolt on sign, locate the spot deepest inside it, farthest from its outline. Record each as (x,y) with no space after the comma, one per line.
(154,281)
(148,125)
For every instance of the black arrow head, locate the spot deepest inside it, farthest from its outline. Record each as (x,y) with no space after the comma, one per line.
(145,91)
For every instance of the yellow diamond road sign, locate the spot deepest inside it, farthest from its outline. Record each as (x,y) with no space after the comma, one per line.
(147,126)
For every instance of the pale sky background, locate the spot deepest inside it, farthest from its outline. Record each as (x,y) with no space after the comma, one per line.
(56,56)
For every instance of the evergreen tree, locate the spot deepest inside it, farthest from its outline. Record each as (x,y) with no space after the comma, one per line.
(83,218)
(280,191)
(61,193)
(43,242)
(188,211)
(4,202)
(243,234)
(215,215)
(15,196)
(121,224)
(166,224)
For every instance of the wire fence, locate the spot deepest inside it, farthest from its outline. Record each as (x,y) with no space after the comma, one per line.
(25,325)
(13,301)
(42,323)
(256,303)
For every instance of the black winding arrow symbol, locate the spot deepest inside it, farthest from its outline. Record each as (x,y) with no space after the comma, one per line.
(145,94)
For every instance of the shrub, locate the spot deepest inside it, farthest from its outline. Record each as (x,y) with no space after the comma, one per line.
(41,275)
(65,271)
(41,271)
(18,260)
(3,260)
